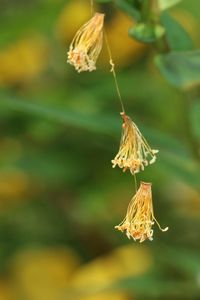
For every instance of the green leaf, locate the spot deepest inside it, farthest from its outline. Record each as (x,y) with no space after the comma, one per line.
(146,33)
(165,4)
(177,37)
(181,69)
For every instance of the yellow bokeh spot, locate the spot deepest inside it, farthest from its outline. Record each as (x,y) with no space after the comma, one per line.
(72,17)
(6,290)
(123,262)
(14,184)
(44,274)
(125,50)
(22,61)
(106,296)
(189,203)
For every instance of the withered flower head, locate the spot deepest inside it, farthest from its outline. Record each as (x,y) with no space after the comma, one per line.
(134,152)
(140,216)
(86,45)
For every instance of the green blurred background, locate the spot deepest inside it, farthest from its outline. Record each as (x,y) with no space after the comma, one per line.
(59,196)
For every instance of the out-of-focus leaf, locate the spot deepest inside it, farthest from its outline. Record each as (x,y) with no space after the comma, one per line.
(165,4)
(97,124)
(128,8)
(155,286)
(195,118)
(146,33)
(181,69)
(182,167)
(177,37)
(177,159)
(185,259)
(33,17)
(19,226)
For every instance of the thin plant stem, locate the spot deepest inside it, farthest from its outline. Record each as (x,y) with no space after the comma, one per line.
(135,182)
(117,89)
(113,72)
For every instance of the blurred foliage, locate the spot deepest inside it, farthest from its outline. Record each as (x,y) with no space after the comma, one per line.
(181,69)
(59,132)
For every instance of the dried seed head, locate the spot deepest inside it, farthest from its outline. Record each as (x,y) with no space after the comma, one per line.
(140,216)
(134,152)
(86,45)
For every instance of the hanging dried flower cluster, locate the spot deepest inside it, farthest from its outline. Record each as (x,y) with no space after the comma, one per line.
(86,45)
(134,152)
(140,216)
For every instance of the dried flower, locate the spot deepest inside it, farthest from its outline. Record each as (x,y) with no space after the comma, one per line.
(134,151)
(86,45)
(140,216)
